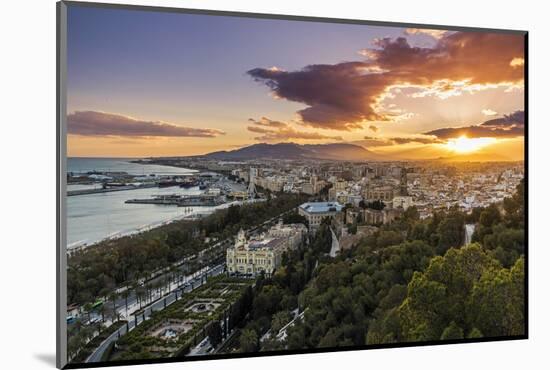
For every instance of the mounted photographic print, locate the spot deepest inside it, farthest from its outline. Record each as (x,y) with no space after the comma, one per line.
(236,184)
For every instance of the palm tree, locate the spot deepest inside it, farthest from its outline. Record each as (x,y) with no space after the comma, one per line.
(169,280)
(157,285)
(113,297)
(102,310)
(173,274)
(148,292)
(146,275)
(139,296)
(134,288)
(88,309)
(116,316)
(125,294)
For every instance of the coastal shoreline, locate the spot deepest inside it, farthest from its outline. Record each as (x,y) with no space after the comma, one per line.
(86,243)
(193,215)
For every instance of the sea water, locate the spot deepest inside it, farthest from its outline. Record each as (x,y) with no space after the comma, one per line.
(94,217)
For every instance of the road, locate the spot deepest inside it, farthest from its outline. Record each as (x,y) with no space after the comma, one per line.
(203,348)
(160,279)
(160,304)
(468,232)
(335,248)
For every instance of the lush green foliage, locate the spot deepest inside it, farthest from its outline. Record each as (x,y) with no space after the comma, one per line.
(501,231)
(276,297)
(413,281)
(463,291)
(294,218)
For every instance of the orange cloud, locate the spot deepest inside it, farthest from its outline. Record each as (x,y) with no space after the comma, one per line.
(517,62)
(436,34)
(344,96)
(274,131)
(266,122)
(91,123)
(488,112)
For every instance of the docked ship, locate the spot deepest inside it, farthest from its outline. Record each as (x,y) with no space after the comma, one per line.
(202,200)
(107,185)
(189,183)
(167,182)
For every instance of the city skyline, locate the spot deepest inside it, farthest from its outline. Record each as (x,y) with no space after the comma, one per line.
(161,84)
(240,186)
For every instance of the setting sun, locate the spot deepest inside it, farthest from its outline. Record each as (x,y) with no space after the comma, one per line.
(464,144)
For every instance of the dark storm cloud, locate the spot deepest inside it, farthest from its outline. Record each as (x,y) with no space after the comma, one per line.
(343,96)
(338,96)
(91,123)
(515,119)
(482,58)
(508,126)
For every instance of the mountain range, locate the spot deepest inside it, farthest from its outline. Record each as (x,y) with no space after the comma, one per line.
(292,151)
(346,152)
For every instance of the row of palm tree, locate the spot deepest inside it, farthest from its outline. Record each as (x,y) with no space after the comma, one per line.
(145,290)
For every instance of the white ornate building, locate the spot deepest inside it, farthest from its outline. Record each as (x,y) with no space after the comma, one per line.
(252,257)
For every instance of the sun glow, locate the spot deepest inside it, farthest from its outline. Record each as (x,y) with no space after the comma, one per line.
(464,144)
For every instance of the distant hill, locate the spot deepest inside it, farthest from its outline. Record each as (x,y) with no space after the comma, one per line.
(477,157)
(430,153)
(499,152)
(292,151)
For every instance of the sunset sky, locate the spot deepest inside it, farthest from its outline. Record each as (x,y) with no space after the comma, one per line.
(144,83)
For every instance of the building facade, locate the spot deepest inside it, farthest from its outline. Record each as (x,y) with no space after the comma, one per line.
(379,217)
(252,257)
(315,212)
(384,193)
(273,184)
(293,234)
